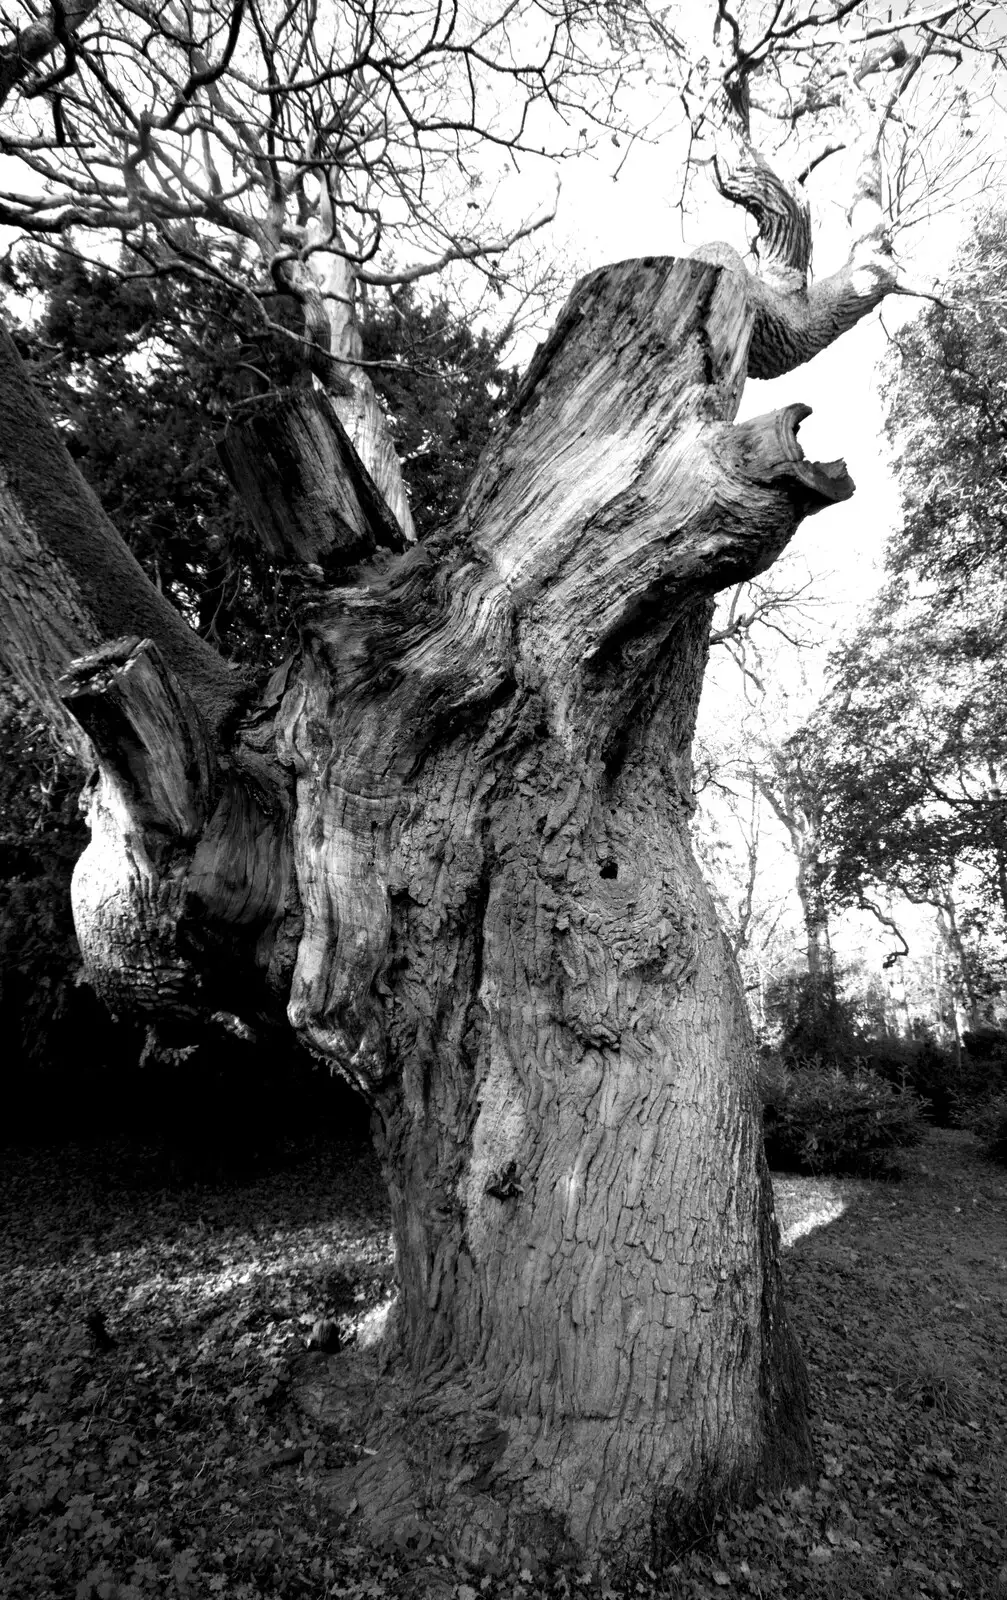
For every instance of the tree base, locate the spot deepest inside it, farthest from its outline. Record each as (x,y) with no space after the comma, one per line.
(436,1471)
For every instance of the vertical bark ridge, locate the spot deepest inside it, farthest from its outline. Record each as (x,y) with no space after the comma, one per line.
(537,1267)
(795,319)
(357,406)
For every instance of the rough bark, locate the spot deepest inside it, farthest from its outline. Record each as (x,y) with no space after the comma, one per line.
(309,496)
(795,319)
(69,583)
(359,410)
(500,934)
(508,946)
(184,901)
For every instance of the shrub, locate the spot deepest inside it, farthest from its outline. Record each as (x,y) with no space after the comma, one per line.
(988,1120)
(952,1090)
(822,1120)
(986,1044)
(997,1146)
(930,1072)
(810,1017)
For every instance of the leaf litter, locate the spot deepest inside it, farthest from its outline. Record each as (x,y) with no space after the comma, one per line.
(150,1446)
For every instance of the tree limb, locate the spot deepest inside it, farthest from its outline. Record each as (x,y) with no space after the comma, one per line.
(32,44)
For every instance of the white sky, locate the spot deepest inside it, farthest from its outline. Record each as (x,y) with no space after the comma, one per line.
(602,220)
(605,220)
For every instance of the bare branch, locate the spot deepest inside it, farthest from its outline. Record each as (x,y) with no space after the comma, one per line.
(34,43)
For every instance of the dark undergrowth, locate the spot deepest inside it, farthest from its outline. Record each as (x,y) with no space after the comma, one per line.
(150,1449)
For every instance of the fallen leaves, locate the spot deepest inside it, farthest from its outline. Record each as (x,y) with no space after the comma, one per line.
(154,1454)
(146,1338)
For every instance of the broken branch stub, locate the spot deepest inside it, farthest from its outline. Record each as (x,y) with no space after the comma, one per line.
(311,500)
(794,319)
(68,582)
(147,734)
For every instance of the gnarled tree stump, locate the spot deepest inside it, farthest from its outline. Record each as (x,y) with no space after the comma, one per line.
(452,838)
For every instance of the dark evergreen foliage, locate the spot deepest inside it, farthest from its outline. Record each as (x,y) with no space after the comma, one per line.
(444,386)
(810,1017)
(142,375)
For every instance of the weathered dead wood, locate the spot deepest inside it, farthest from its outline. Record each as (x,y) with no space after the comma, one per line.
(617,498)
(147,736)
(327,281)
(794,318)
(311,500)
(182,897)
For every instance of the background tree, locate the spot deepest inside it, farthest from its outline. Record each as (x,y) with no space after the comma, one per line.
(765,768)
(730,841)
(448,841)
(912,728)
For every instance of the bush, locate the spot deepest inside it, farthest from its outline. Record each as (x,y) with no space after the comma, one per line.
(928,1071)
(810,1017)
(997,1145)
(988,1120)
(986,1044)
(822,1120)
(952,1091)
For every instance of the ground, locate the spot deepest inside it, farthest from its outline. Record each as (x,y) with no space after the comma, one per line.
(158,1436)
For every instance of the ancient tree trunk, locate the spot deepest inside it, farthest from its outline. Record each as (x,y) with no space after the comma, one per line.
(480,904)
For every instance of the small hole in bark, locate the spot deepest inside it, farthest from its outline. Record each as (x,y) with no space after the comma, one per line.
(608,868)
